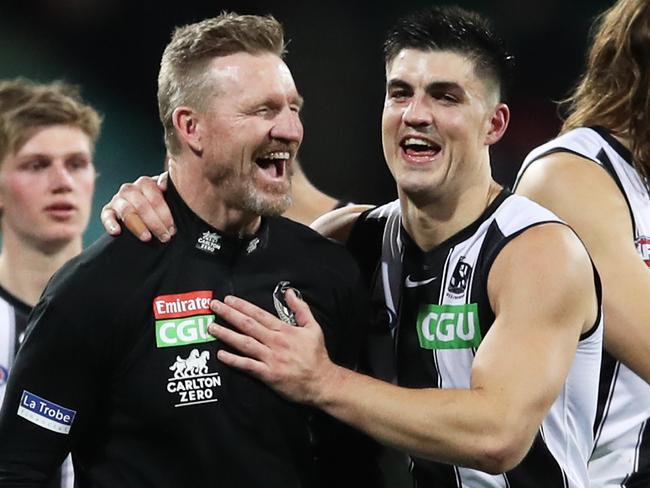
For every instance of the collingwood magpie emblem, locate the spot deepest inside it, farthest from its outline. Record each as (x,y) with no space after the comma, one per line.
(209,242)
(460,278)
(280,302)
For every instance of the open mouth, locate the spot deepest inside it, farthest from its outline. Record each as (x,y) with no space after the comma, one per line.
(418,148)
(274,163)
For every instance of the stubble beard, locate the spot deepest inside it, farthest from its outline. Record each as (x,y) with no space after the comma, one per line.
(269,203)
(241,192)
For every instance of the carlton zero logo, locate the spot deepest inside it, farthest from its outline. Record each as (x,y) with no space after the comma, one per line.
(449,326)
(209,242)
(192,382)
(183,318)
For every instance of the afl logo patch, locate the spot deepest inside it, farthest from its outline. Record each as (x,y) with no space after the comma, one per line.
(4,375)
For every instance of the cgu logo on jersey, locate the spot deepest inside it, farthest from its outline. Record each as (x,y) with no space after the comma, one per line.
(183,318)
(449,326)
(192,381)
(643,248)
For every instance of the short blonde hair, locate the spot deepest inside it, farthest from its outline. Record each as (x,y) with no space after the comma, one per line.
(25,106)
(182,78)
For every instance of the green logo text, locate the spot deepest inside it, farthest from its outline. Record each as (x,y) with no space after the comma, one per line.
(182,331)
(448,326)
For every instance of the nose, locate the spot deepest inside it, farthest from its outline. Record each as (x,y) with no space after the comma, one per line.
(418,113)
(60,177)
(287,126)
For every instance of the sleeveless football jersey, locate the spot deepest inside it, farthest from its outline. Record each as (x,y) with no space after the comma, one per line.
(437,307)
(621,455)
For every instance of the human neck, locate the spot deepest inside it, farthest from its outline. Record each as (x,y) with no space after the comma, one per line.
(26,268)
(307,202)
(624,139)
(205,200)
(432,222)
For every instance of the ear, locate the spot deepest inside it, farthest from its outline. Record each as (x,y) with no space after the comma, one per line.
(187,124)
(498,124)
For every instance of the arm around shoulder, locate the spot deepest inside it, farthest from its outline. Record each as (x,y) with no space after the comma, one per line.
(338,223)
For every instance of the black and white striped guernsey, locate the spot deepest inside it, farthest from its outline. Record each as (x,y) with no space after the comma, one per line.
(621,456)
(436,306)
(13,321)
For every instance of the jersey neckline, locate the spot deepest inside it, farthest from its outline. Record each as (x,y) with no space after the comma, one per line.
(14,301)
(462,234)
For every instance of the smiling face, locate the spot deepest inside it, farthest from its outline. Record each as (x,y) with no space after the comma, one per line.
(251,133)
(439,119)
(46,187)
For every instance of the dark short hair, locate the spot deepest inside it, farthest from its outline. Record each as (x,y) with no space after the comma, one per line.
(457,30)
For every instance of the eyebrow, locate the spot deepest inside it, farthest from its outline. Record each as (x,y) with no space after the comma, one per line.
(300,101)
(30,155)
(433,87)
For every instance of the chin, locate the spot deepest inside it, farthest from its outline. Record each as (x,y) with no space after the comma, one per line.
(61,234)
(266,205)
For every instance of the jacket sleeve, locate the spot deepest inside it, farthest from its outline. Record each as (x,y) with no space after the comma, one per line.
(53,388)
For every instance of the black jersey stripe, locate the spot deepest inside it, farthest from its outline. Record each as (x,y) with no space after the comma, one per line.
(607,164)
(538,469)
(365,242)
(608,375)
(436,475)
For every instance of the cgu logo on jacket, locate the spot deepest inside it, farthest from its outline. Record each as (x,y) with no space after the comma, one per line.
(183,318)
(448,326)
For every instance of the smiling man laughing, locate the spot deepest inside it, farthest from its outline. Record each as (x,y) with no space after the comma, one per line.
(118,366)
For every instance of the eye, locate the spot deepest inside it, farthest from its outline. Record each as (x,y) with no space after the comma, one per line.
(35,164)
(398,94)
(446,97)
(77,163)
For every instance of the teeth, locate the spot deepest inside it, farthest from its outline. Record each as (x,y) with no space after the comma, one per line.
(277,155)
(412,141)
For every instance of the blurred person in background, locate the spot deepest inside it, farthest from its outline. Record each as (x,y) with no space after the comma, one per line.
(595,176)
(47,179)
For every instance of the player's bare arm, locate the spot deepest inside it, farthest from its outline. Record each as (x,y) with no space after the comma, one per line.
(491,425)
(338,223)
(585,196)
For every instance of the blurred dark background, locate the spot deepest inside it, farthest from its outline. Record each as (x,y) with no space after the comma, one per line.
(112,49)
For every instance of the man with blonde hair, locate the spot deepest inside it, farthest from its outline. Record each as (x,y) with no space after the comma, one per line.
(119,368)
(594,175)
(47,178)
